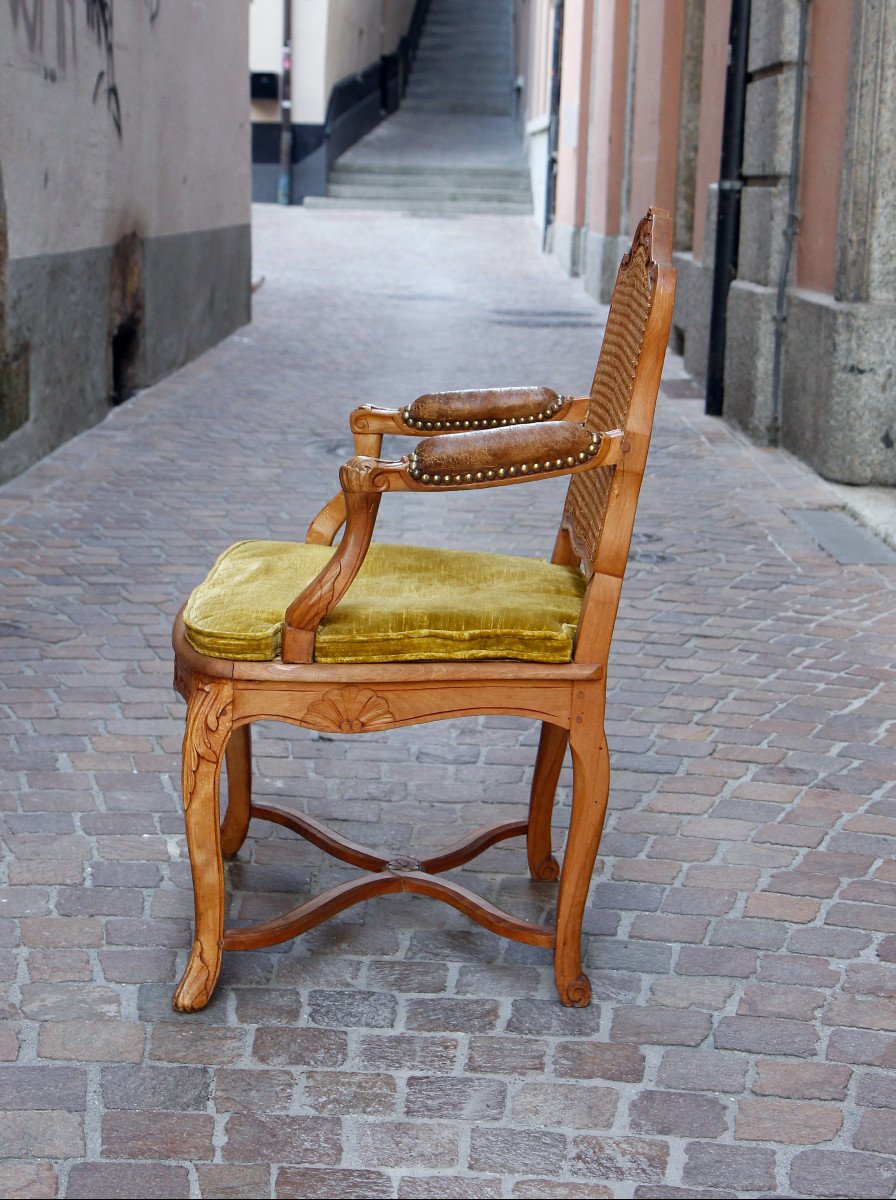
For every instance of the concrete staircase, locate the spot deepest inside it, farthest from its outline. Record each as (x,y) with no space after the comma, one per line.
(464,62)
(452,148)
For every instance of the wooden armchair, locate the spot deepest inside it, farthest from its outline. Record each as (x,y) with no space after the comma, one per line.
(350,653)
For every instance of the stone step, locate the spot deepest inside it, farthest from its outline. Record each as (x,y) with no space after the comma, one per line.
(446,194)
(468,37)
(398,174)
(428,207)
(468,97)
(449,90)
(459,108)
(456,180)
(456,47)
(463,38)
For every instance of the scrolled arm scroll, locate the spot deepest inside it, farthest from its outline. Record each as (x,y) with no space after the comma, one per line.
(454,412)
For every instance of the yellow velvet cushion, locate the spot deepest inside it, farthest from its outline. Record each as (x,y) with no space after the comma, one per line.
(407,603)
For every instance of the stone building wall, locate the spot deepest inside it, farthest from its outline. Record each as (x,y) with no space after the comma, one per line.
(810,347)
(124,134)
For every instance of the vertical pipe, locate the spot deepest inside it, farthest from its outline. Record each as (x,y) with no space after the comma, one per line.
(284,184)
(554,127)
(730,185)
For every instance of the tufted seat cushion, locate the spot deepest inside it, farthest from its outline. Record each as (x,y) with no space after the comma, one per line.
(407,603)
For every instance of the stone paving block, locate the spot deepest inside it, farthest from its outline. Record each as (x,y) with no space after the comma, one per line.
(794,1122)
(876,1089)
(660,1027)
(571,1106)
(30,1181)
(864,1047)
(453,1099)
(519,1150)
(629,1159)
(171,1089)
(550,1189)
(746,1168)
(91,1041)
(253,1138)
(338,1093)
(320,1183)
(802,1080)
(678,1114)
(41,1134)
(451,1187)
(841,1173)
(506,1055)
(766,1035)
(703,1070)
(127,1180)
(34,1087)
(408,1144)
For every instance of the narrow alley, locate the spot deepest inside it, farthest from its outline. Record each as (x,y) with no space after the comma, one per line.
(742,927)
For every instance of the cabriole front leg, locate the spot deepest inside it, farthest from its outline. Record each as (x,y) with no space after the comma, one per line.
(591,789)
(209,719)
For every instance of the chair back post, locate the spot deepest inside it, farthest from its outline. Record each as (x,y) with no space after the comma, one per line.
(651,249)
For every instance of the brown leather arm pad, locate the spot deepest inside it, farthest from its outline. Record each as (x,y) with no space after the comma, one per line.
(479,457)
(455,411)
(466,410)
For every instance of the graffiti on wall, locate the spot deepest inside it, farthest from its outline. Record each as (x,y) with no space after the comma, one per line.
(49,29)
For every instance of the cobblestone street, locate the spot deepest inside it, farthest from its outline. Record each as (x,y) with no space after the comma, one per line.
(742,926)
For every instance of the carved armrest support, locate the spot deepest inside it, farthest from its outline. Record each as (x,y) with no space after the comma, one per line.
(324,592)
(454,412)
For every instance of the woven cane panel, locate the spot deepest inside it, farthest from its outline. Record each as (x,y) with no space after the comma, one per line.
(611,395)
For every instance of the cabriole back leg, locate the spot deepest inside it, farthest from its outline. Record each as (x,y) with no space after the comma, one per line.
(238,756)
(551,751)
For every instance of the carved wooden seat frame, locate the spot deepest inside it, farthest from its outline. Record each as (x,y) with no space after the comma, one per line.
(470,439)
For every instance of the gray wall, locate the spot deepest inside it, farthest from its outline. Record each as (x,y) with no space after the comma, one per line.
(124,149)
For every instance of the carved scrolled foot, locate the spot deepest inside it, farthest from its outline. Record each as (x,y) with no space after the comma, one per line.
(547,871)
(195,988)
(576,994)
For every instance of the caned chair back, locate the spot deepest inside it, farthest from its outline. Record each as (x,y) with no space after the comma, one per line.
(600,504)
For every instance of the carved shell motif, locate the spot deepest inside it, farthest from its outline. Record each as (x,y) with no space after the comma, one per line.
(349,710)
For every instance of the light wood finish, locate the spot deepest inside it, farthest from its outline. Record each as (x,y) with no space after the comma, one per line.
(224,697)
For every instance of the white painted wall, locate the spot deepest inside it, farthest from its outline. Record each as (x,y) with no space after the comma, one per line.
(181,161)
(332,40)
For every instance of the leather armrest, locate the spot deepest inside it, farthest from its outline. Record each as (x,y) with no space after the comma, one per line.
(486,458)
(489,409)
(505,454)
(454,412)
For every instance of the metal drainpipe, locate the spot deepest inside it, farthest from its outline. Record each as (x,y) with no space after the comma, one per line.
(284,184)
(554,127)
(790,230)
(730,186)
